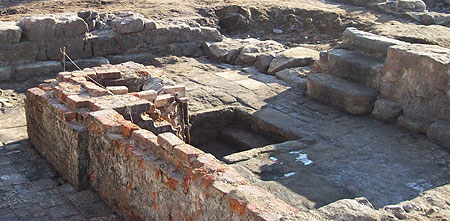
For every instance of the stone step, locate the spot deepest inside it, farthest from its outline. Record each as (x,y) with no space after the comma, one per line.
(355,66)
(243,139)
(354,39)
(351,97)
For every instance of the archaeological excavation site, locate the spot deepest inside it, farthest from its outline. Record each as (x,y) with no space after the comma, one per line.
(225,110)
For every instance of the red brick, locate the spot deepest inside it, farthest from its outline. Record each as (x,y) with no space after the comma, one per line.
(168,141)
(186,153)
(128,128)
(143,137)
(209,162)
(77,101)
(34,93)
(63,76)
(94,90)
(109,120)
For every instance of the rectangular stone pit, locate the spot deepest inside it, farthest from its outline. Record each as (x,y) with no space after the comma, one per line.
(142,169)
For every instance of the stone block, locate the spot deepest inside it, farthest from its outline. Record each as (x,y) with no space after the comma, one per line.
(355,39)
(150,24)
(128,24)
(440,132)
(351,97)
(19,53)
(10,33)
(186,153)
(49,27)
(104,43)
(87,63)
(76,48)
(149,95)
(417,76)
(5,73)
(28,71)
(164,99)
(411,5)
(386,110)
(253,48)
(118,90)
(413,123)
(355,66)
(296,76)
(168,141)
(262,63)
(143,137)
(177,89)
(294,57)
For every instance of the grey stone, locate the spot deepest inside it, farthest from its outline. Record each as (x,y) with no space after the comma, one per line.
(27,71)
(355,66)
(76,48)
(22,52)
(413,123)
(354,39)
(142,58)
(87,63)
(386,110)
(128,24)
(48,27)
(179,33)
(150,24)
(348,209)
(263,62)
(9,32)
(219,50)
(297,76)
(416,76)
(354,98)
(294,57)
(103,43)
(253,48)
(191,49)
(440,132)
(5,73)
(411,5)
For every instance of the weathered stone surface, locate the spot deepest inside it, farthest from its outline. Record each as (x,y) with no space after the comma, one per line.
(263,62)
(440,132)
(354,98)
(348,209)
(9,33)
(142,58)
(255,48)
(414,123)
(48,27)
(294,57)
(87,63)
(179,33)
(27,71)
(22,52)
(355,66)
(417,77)
(150,24)
(103,43)
(411,5)
(219,50)
(386,110)
(355,39)
(5,73)
(76,48)
(297,76)
(129,23)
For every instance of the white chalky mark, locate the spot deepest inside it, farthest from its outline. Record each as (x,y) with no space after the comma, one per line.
(273,158)
(289,174)
(302,157)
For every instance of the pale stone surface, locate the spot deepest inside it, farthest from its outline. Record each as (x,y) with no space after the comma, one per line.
(129,23)
(263,62)
(294,57)
(414,123)
(48,27)
(255,48)
(417,76)
(9,32)
(297,76)
(354,39)
(354,98)
(412,5)
(386,110)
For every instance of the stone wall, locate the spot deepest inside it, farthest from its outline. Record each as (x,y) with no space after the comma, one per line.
(32,46)
(82,131)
